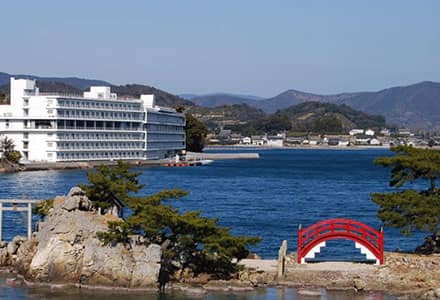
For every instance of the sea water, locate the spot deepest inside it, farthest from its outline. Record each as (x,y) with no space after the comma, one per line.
(268,197)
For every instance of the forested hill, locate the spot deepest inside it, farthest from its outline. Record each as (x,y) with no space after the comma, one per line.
(314,117)
(227,114)
(311,116)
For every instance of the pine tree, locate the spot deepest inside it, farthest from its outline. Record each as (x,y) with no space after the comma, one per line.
(411,209)
(196,133)
(188,239)
(110,181)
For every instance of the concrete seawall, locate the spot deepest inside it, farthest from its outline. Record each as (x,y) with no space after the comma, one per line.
(221,156)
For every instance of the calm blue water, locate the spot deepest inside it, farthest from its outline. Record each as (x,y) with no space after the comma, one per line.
(269,197)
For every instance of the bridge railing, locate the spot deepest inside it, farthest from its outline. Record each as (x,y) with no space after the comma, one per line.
(334,228)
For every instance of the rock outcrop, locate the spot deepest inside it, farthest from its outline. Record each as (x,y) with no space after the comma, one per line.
(66,250)
(430,245)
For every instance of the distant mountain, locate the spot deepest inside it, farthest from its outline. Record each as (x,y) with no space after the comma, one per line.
(219,99)
(162,98)
(415,106)
(76,82)
(293,97)
(76,85)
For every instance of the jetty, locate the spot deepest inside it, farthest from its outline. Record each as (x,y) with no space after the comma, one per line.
(220,156)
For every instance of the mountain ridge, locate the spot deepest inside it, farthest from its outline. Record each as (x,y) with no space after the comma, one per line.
(415,106)
(77,85)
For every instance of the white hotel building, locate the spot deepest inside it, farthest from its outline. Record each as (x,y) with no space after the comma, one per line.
(51,127)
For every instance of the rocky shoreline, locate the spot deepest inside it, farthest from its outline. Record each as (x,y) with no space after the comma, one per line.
(65,253)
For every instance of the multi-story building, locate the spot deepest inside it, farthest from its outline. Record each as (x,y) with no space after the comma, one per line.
(94,126)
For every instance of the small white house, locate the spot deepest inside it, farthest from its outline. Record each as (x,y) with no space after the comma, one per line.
(375,142)
(258,140)
(385,132)
(275,141)
(369,132)
(246,140)
(343,143)
(356,131)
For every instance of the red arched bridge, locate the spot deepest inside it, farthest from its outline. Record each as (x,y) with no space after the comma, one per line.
(312,238)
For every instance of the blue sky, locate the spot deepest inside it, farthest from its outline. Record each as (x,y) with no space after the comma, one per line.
(250,47)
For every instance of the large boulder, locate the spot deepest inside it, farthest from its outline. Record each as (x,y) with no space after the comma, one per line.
(430,245)
(66,250)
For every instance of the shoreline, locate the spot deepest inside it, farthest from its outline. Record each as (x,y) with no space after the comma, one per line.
(405,275)
(299,147)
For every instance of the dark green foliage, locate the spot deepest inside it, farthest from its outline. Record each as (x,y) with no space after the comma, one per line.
(412,163)
(9,153)
(270,124)
(329,118)
(411,209)
(326,124)
(196,133)
(188,239)
(311,117)
(110,181)
(236,113)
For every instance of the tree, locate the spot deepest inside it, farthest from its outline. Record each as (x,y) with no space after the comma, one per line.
(8,148)
(196,133)
(110,181)
(189,240)
(411,209)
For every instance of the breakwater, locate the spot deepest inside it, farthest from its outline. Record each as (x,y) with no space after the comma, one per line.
(221,156)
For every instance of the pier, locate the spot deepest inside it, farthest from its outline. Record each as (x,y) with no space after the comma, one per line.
(221,156)
(18,205)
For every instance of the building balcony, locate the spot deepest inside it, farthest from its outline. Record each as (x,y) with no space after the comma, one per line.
(99,118)
(93,149)
(99,139)
(99,129)
(165,132)
(98,108)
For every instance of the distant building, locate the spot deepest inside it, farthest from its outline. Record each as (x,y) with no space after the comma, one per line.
(356,131)
(375,142)
(385,132)
(275,141)
(314,140)
(344,142)
(246,140)
(333,141)
(236,138)
(258,140)
(369,132)
(295,140)
(362,140)
(94,126)
(404,132)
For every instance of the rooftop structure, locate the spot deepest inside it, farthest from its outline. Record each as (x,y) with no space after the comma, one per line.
(56,127)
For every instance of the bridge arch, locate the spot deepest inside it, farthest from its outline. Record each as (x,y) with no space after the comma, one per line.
(367,239)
